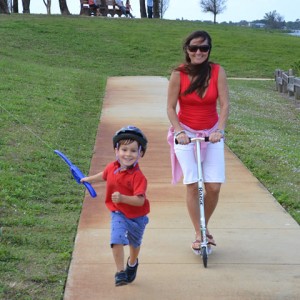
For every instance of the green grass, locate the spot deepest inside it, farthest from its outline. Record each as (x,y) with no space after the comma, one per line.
(263,130)
(53,75)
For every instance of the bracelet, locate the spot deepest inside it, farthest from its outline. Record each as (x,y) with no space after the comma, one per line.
(221,131)
(179,132)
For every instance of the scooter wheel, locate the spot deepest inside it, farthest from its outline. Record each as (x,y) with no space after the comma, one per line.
(204,256)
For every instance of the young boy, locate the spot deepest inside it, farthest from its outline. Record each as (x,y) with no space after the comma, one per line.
(126,199)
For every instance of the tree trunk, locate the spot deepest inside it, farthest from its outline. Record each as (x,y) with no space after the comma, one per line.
(143,9)
(156,13)
(64,7)
(15,7)
(26,6)
(3,7)
(48,6)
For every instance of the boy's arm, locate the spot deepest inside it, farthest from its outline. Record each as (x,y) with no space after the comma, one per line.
(116,197)
(94,178)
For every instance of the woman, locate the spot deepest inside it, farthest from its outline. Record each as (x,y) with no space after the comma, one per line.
(198,86)
(128,9)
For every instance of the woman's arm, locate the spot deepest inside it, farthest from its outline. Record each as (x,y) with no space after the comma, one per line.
(173,92)
(223,99)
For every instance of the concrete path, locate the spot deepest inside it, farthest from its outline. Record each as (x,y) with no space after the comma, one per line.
(258,243)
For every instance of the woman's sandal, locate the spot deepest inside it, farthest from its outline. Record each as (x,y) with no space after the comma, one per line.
(196,245)
(210,240)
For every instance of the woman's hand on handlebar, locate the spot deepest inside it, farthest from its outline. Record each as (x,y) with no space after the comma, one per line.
(215,136)
(182,138)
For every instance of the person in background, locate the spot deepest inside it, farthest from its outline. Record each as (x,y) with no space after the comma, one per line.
(150,8)
(126,199)
(94,6)
(121,6)
(128,9)
(198,86)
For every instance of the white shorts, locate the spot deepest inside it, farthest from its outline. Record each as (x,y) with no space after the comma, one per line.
(213,164)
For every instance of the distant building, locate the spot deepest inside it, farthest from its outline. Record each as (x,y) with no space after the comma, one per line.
(257,25)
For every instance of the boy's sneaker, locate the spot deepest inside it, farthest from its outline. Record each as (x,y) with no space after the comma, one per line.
(131,271)
(121,278)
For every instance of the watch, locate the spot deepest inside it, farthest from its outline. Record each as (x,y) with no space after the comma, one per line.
(221,131)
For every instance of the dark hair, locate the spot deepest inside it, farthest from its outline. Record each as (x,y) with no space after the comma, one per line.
(200,72)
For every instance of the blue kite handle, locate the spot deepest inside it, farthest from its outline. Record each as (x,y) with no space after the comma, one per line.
(77,174)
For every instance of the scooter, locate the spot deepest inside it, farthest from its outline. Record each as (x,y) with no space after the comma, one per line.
(205,248)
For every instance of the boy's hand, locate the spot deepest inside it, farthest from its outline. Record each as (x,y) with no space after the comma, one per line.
(116,197)
(84,179)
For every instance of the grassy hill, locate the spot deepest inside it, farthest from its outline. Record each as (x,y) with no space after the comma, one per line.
(53,75)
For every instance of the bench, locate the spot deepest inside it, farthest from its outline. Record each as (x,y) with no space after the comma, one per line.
(288,84)
(107,7)
(87,10)
(297,87)
(278,80)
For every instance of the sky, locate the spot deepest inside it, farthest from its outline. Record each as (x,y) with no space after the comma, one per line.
(237,10)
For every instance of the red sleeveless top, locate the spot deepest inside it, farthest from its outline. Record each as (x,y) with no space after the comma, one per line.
(196,112)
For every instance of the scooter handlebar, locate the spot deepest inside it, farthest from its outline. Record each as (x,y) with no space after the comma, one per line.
(201,139)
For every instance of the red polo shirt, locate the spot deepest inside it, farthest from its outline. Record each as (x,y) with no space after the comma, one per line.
(131,182)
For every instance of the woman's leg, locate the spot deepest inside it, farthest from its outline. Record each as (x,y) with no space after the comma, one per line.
(192,202)
(213,169)
(211,198)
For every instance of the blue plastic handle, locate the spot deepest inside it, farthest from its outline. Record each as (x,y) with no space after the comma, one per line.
(77,174)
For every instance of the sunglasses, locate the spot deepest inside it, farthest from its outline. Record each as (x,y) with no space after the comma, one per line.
(202,48)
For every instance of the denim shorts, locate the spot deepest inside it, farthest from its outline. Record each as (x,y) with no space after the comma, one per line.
(126,231)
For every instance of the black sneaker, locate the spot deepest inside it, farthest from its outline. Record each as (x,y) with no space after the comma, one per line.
(131,271)
(121,278)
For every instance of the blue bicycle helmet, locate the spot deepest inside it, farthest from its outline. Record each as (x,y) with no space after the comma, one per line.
(131,133)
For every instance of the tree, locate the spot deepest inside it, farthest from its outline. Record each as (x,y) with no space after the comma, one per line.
(214,6)
(4,7)
(164,5)
(143,9)
(274,20)
(48,6)
(15,7)
(26,5)
(156,10)
(64,7)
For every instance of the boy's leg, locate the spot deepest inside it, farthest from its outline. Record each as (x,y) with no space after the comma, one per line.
(134,253)
(121,277)
(136,229)
(118,253)
(132,263)
(118,238)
